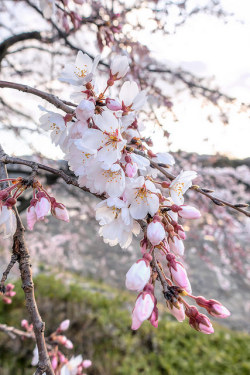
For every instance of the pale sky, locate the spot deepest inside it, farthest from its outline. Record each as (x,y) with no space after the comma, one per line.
(208,47)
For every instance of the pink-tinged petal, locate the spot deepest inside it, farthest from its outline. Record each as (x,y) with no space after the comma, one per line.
(155,233)
(86,363)
(219,311)
(189,212)
(180,277)
(113,105)
(179,314)
(205,329)
(138,275)
(31,217)
(61,213)
(177,246)
(136,323)
(42,208)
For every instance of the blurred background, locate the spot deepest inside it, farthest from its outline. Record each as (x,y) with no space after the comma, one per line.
(193,58)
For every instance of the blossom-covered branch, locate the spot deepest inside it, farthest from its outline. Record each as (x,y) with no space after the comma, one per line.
(103,144)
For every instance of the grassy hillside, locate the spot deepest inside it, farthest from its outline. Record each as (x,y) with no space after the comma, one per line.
(101,331)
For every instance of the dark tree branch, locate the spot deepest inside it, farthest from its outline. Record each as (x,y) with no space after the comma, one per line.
(48,97)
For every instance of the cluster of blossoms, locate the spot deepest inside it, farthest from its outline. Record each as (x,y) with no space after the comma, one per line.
(105,149)
(103,144)
(7,293)
(41,205)
(60,363)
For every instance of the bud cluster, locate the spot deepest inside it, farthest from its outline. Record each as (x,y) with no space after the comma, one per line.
(41,205)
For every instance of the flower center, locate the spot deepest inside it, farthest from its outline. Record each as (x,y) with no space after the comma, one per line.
(81,73)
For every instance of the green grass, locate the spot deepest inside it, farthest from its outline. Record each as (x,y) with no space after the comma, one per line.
(100,329)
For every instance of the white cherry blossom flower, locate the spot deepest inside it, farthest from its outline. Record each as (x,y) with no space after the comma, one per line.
(107,141)
(79,157)
(7,222)
(131,97)
(54,122)
(80,72)
(110,181)
(180,185)
(71,367)
(117,225)
(119,66)
(143,198)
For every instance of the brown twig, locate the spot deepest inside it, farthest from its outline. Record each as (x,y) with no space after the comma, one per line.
(44,95)
(70,180)
(13,332)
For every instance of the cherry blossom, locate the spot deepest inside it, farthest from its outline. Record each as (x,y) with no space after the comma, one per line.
(155,232)
(138,275)
(143,309)
(7,221)
(180,185)
(131,97)
(80,72)
(143,197)
(119,67)
(55,123)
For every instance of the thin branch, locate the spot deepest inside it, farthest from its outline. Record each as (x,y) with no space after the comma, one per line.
(20,250)
(48,97)
(203,191)
(13,332)
(70,180)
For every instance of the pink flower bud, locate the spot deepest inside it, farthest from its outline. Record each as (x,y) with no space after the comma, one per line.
(180,278)
(7,300)
(181,233)
(155,233)
(86,363)
(61,213)
(64,325)
(24,324)
(199,321)
(54,362)
(189,212)
(42,207)
(9,287)
(113,105)
(11,294)
(31,217)
(143,309)
(179,314)
(206,328)
(62,358)
(138,275)
(214,307)
(177,247)
(131,169)
(68,344)
(85,110)
(219,311)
